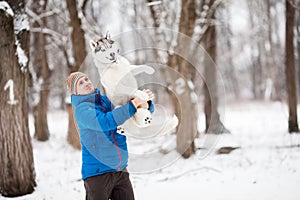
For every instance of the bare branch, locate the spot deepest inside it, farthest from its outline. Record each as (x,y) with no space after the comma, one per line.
(92,26)
(49,32)
(207,18)
(34,16)
(83,7)
(70,66)
(38,18)
(49,13)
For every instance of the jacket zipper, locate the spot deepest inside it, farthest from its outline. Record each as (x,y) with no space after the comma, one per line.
(118,149)
(113,136)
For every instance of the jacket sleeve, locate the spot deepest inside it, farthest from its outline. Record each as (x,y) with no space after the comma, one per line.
(91,118)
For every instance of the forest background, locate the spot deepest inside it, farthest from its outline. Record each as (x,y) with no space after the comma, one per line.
(208,54)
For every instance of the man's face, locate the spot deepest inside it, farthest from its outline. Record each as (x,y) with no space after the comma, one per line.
(84,86)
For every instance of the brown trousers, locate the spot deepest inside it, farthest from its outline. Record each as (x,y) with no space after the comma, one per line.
(111,185)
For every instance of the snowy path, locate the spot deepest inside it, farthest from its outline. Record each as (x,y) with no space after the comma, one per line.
(265,167)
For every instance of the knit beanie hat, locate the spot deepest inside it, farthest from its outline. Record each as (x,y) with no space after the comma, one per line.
(73,79)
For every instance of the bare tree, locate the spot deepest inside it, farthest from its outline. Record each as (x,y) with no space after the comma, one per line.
(212,116)
(188,126)
(258,20)
(270,60)
(225,49)
(41,73)
(266,51)
(79,51)
(298,39)
(17,175)
(290,67)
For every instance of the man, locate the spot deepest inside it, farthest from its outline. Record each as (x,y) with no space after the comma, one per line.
(104,151)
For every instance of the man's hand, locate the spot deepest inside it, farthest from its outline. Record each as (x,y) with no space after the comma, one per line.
(137,102)
(141,103)
(144,105)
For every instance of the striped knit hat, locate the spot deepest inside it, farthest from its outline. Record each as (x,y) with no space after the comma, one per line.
(73,79)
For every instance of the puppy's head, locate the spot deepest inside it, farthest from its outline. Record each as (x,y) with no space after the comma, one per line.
(105,49)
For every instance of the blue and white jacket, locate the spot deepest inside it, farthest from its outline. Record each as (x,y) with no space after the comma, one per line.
(103,149)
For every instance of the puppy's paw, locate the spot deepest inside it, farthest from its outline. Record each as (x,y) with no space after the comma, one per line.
(142,117)
(142,95)
(147,120)
(121,130)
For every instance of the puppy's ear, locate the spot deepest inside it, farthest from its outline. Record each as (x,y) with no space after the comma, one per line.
(107,35)
(93,44)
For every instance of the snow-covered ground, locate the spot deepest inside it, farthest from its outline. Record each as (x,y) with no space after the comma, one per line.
(267,166)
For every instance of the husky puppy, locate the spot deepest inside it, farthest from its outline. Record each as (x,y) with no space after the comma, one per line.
(118,79)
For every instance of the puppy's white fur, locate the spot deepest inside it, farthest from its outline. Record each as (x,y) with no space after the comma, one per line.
(118,79)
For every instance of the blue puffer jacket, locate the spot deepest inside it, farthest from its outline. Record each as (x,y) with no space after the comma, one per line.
(103,149)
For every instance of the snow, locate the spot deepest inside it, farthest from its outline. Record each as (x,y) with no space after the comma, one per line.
(22,58)
(154,3)
(4,6)
(266,166)
(21,23)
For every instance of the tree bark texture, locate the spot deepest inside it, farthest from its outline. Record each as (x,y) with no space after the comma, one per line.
(17,176)
(290,68)
(77,35)
(79,50)
(42,71)
(213,123)
(187,128)
(298,41)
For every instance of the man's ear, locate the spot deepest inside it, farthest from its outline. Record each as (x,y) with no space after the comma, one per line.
(93,44)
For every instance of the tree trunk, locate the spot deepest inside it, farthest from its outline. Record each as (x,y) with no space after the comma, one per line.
(231,70)
(17,176)
(78,43)
(73,135)
(258,48)
(298,40)
(42,71)
(272,64)
(77,35)
(213,123)
(187,129)
(290,68)
(40,117)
